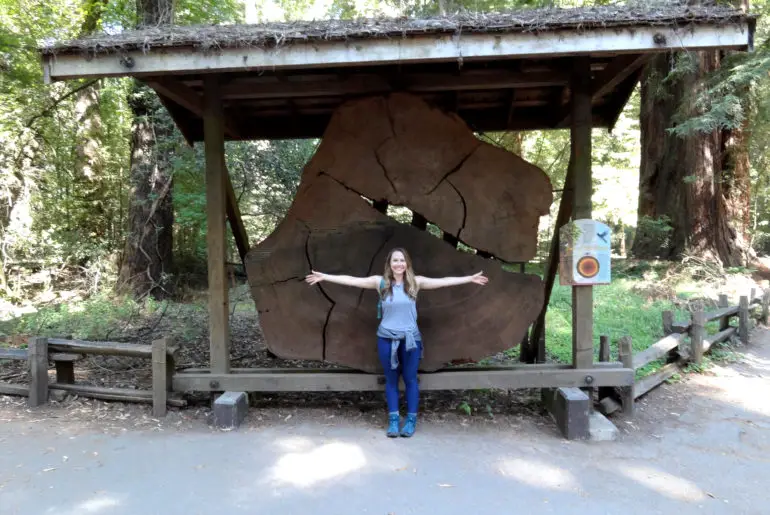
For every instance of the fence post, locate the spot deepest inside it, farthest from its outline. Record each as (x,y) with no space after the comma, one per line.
(724,322)
(37,356)
(604,357)
(626,355)
(765,307)
(604,348)
(668,322)
(162,372)
(697,333)
(743,320)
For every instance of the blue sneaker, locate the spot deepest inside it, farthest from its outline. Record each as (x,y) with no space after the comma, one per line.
(393,420)
(409,426)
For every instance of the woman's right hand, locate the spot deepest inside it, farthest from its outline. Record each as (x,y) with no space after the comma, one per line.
(314,277)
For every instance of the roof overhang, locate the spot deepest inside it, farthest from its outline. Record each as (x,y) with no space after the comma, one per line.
(495,80)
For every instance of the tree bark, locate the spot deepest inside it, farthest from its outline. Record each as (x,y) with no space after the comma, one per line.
(88,176)
(700,182)
(147,257)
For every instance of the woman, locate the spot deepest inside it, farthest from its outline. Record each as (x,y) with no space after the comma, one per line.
(399,342)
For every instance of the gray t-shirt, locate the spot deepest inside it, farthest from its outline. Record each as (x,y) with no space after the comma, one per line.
(399,312)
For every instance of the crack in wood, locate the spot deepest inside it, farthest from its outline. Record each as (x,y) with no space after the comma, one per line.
(455,168)
(371,265)
(323,292)
(384,170)
(465,209)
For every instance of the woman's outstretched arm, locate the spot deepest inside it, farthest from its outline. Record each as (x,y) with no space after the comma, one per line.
(429,283)
(370,282)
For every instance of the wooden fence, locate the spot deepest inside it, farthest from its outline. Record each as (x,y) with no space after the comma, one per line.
(64,353)
(683,343)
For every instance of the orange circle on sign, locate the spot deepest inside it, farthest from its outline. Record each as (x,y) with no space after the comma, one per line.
(588,266)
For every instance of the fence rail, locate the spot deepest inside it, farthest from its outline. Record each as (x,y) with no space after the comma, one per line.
(64,353)
(682,343)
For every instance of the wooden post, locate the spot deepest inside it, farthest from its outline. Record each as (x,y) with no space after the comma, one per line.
(213,134)
(582,296)
(697,334)
(537,337)
(604,348)
(743,320)
(65,371)
(37,356)
(162,373)
(724,302)
(765,307)
(240,235)
(668,322)
(604,357)
(626,356)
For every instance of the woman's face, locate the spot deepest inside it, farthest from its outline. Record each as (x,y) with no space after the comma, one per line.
(398,263)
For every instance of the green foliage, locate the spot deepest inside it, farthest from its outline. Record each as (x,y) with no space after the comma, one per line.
(654,232)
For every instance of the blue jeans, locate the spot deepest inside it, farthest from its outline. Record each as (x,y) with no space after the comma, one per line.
(408,363)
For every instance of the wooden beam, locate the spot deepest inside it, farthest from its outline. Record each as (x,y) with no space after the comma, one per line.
(134,350)
(582,296)
(371,84)
(656,379)
(13,354)
(619,69)
(216,187)
(447,380)
(412,49)
(186,97)
(235,219)
(616,72)
(286,127)
(14,389)
(659,349)
(536,350)
(113,394)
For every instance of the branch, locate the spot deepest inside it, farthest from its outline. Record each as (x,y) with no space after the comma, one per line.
(59,100)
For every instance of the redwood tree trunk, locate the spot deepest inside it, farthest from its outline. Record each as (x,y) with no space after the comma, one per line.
(147,256)
(699,182)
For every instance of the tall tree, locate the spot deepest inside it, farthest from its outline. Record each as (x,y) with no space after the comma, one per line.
(693,185)
(147,256)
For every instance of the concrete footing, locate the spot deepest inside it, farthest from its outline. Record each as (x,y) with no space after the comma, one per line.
(230,409)
(570,409)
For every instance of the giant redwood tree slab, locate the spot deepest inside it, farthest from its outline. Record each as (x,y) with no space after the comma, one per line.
(399,149)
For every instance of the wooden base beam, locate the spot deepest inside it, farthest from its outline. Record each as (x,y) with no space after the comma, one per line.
(357,381)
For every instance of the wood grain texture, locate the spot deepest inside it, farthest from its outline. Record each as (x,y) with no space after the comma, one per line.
(399,150)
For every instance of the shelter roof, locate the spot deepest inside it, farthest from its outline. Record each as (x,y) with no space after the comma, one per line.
(500,71)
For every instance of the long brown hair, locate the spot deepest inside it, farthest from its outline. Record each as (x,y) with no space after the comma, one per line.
(410,281)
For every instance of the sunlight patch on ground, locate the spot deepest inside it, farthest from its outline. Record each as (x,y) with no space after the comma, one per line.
(307,468)
(295,444)
(538,474)
(96,505)
(668,485)
(732,387)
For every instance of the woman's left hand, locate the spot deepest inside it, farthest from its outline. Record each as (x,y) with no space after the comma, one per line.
(479,278)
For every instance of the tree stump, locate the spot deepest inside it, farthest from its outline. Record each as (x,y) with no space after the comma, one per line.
(401,151)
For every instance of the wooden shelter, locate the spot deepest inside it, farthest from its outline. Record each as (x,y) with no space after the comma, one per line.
(525,70)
